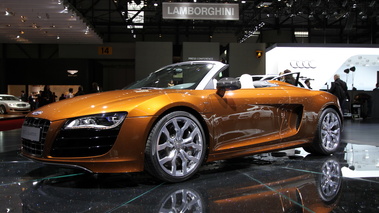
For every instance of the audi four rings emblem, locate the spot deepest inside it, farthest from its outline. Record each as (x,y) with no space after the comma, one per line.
(303,64)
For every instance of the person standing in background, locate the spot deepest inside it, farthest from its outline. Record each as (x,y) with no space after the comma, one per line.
(70,93)
(339,89)
(95,88)
(80,91)
(23,96)
(46,96)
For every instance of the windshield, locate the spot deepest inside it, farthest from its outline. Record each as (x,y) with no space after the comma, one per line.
(9,98)
(182,76)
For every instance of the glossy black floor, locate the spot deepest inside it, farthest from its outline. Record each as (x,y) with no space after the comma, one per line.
(289,181)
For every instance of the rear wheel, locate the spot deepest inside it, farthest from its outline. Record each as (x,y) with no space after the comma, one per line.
(176,147)
(328,135)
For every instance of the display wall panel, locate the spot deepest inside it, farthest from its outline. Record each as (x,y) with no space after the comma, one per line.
(151,56)
(243,59)
(201,51)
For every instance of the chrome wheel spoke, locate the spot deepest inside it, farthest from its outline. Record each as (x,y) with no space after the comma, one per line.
(169,158)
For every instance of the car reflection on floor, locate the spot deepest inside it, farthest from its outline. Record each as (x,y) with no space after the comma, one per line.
(251,183)
(277,182)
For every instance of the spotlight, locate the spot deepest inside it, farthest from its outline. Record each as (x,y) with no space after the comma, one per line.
(352,69)
(346,71)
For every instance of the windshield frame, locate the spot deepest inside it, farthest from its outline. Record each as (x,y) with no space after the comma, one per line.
(201,83)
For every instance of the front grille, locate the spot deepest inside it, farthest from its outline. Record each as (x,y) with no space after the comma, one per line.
(83,142)
(35,147)
(21,105)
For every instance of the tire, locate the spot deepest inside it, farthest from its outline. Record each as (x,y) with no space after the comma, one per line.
(2,110)
(328,135)
(175,147)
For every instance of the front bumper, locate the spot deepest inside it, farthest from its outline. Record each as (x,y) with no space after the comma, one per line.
(126,153)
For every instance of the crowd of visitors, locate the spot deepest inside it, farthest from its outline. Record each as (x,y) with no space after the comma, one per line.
(46,96)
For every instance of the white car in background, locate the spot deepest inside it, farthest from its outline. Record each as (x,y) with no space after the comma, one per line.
(10,104)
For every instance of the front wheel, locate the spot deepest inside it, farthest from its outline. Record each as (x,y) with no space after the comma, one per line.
(176,147)
(3,110)
(328,135)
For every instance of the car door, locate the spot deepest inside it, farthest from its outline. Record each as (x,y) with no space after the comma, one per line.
(249,117)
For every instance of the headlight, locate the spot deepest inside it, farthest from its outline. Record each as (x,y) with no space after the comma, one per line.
(99,121)
(12,104)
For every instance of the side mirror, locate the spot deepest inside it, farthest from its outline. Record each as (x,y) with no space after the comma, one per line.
(225,84)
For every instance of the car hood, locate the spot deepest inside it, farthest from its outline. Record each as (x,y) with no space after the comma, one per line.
(13,102)
(113,101)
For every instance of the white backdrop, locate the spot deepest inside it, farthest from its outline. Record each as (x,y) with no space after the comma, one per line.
(321,63)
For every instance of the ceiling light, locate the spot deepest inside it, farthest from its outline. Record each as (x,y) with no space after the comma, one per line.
(72,72)
(8,13)
(301,34)
(65,10)
(264,4)
(45,19)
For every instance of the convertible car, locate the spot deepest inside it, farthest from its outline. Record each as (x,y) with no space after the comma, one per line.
(178,117)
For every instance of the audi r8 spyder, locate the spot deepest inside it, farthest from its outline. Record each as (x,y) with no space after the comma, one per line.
(179,117)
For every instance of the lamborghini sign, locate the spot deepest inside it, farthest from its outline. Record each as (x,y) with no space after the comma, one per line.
(204,11)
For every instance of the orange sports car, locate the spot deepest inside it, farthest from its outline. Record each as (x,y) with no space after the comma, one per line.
(178,117)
